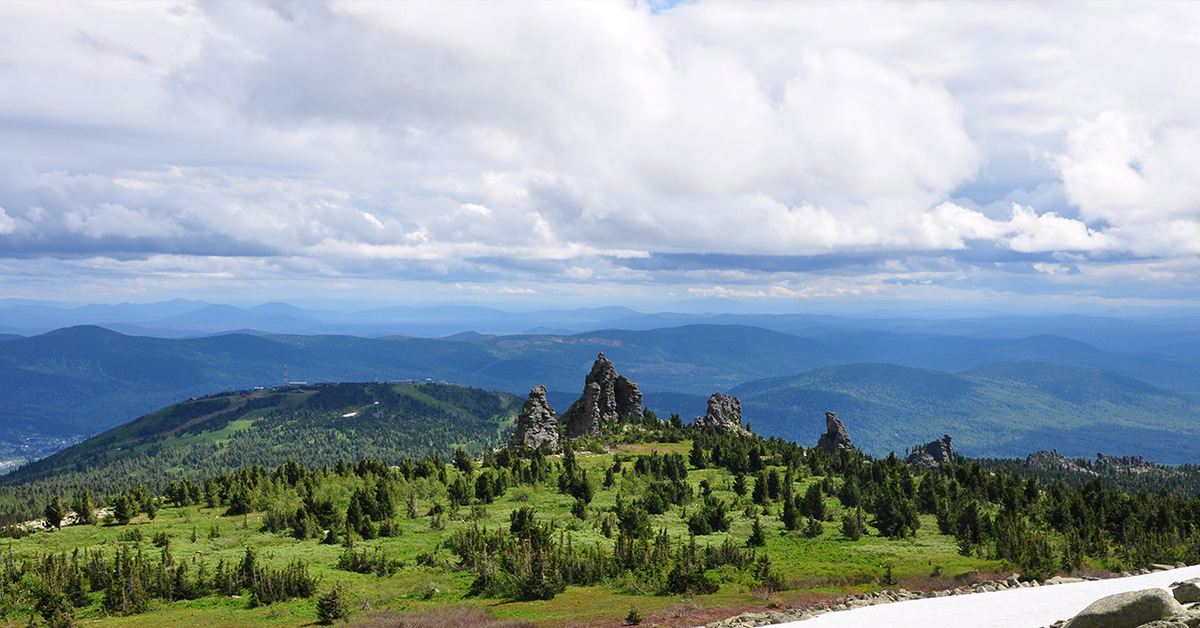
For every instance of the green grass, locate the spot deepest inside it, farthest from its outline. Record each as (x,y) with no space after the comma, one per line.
(829,565)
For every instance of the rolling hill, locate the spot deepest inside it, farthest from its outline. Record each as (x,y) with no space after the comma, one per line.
(61,387)
(996,410)
(75,382)
(315,424)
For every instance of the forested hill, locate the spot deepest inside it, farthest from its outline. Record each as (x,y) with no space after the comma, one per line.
(997,410)
(316,425)
(76,382)
(83,380)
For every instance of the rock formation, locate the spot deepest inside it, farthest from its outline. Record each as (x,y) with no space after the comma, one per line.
(1128,463)
(537,424)
(933,454)
(835,437)
(607,398)
(724,413)
(1052,459)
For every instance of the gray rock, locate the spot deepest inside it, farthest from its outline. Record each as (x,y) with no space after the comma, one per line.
(835,437)
(1127,610)
(1054,460)
(1191,618)
(933,454)
(607,398)
(1186,592)
(537,424)
(583,417)
(1128,463)
(724,413)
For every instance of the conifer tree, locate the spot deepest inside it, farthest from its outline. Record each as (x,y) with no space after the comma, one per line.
(84,509)
(814,503)
(55,511)
(757,537)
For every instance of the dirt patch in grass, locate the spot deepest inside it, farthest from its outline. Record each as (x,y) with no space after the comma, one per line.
(447,617)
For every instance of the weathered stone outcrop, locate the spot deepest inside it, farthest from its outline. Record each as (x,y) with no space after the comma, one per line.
(1127,610)
(1127,463)
(1053,460)
(607,398)
(835,437)
(537,424)
(724,413)
(933,454)
(583,417)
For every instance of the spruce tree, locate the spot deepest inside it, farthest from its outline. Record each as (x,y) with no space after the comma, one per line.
(55,511)
(84,509)
(757,537)
(463,462)
(814,502)
(333,605)
(122,509)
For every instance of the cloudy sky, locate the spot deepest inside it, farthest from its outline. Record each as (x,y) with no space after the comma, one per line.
(772,155)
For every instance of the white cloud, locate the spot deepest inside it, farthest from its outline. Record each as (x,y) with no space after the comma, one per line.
(486,141)
(1031,233)
(1139,178)
(579,273)
(109,219)
(7,224)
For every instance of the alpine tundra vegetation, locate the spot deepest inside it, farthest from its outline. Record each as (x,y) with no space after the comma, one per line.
(684,523)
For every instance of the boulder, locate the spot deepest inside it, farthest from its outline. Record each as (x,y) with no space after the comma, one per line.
(537,424)
(1186,592)
(607,398)
(1127,610)
(835,437)
(724,413)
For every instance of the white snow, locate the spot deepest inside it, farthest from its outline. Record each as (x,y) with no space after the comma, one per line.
(1033,607)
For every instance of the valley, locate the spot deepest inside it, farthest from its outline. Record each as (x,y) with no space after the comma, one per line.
(903,384)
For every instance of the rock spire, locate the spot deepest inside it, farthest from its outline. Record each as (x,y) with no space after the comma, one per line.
(835,437)
(537,424)
(607,398)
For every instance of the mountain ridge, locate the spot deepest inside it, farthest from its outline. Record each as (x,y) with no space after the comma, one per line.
(75,382)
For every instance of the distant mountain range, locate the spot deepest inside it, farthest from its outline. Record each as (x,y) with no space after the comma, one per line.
(996,410)
(1178,334)
(895,385)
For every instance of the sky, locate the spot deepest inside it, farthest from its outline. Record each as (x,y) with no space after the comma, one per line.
(774,156)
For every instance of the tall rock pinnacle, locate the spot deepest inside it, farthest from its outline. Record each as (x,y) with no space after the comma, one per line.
(835,437)
(537,424)
(607,398)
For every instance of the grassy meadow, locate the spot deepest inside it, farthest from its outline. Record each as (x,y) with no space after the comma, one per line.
(816,569)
